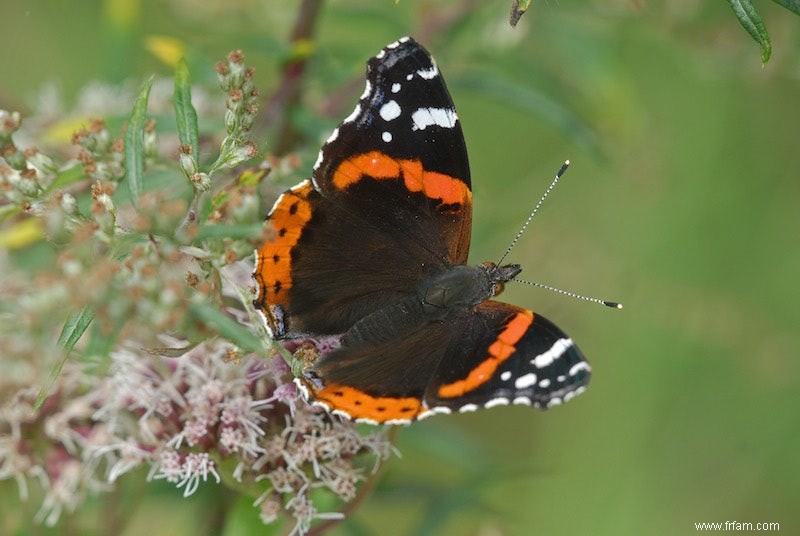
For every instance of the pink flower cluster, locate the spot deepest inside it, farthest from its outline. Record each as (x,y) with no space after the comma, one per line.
(181,417)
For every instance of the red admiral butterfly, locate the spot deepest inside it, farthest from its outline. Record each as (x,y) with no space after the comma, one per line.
(372,250)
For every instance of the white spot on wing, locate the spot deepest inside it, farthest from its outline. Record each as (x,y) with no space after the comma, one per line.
(525,381)
(396,422)
(433,411)
(429,74)
(425,117)
(502,401)
(557,350)
(505,376)
(340,413)
(324,406)
(275,204)
(299,186)
(387,137)
(318,161)
(255,269)
(367,421)
(367,91)
(553,402)
(395,87)
(390,110)
(352,117)
(266,322)
(466,408)
(545,383)
(409,76)
(577,367)
(333,136)
(522,401)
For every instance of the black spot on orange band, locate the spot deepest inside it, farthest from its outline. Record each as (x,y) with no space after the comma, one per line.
(360,405)
(274,270)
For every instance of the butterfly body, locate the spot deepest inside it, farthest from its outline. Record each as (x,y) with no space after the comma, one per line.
(372,251)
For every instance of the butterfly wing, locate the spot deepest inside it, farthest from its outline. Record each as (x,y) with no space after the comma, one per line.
(407,367)
(399,160)
(507,354)
(389,204)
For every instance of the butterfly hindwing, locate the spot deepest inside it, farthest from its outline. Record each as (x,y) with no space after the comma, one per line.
(496,354)
(508,355)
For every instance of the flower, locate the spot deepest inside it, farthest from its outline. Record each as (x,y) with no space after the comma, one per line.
(186,418)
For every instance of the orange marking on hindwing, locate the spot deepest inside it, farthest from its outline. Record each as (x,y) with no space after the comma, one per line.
(500,350)
(381,166)
(274,269)
(360,405)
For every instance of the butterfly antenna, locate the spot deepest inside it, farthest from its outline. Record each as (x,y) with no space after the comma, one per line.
(613,305)
(534,211)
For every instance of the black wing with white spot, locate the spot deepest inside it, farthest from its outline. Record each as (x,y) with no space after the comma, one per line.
(399,159)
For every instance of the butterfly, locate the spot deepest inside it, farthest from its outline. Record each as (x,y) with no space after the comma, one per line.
(370,255)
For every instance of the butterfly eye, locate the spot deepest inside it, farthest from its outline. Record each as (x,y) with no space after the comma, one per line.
(498,288)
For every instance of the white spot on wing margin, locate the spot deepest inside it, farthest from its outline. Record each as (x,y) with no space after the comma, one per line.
(352,117)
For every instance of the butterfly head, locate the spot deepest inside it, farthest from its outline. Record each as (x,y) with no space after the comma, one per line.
(500,275)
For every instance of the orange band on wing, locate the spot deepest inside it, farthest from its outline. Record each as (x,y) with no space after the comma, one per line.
(273,272)
(380,166)
(360,405)
(500,350)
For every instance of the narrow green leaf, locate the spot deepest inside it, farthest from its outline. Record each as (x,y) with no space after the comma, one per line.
(751,21)
(226,327)
(791,5)
(184,111)
(134,143)
(74,328)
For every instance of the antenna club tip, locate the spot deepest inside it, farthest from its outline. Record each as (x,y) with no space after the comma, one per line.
(566,162)
(613,305)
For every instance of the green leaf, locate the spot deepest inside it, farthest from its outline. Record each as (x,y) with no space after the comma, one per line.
(791,5)
(751,21)
(74,328)
(184,111)
(134,143)
(226,327)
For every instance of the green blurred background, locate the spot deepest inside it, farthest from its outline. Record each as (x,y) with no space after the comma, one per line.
(682,203)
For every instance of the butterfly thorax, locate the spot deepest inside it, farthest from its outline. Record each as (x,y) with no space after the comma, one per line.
(463,287)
